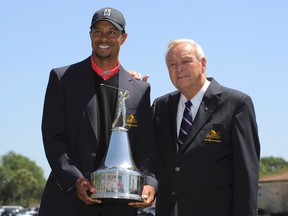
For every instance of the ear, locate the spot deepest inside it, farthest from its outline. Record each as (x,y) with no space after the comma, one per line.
(124,36)
(203,63)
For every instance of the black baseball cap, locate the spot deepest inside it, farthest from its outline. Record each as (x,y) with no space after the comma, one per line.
(111,15)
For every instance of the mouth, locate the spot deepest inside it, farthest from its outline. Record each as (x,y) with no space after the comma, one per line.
(104,46)
(182,77)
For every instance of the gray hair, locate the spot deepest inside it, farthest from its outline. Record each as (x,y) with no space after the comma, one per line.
(199,51)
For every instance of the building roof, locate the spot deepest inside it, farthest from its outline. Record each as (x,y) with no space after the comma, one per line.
(276,177)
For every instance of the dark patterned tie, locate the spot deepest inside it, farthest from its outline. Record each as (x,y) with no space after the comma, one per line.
(185,124)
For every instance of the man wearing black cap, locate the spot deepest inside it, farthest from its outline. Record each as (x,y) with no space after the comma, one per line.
(76,125)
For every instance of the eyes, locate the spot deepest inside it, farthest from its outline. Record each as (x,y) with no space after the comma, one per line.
(183,62)
(111,33)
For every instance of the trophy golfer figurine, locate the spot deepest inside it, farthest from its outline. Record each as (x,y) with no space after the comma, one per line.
(122,97)
(118,179)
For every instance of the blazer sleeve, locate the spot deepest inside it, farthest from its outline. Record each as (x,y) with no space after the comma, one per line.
(53,132)
(246,153)
(144,141)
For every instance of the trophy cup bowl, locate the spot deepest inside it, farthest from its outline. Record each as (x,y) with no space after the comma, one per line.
(118,178)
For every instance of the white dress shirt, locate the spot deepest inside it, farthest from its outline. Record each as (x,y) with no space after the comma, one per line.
(196,101)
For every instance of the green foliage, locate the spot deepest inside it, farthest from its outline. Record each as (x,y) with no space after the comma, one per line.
(271,165)
(21,180)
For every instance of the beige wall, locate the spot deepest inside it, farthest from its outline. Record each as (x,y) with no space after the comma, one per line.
(273,196)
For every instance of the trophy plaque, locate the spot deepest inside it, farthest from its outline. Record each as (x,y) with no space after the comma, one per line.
(118,178)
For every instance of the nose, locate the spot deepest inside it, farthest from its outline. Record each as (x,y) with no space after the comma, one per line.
(104,35)
(179,67)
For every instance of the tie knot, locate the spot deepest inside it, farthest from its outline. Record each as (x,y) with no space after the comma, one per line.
(188,104)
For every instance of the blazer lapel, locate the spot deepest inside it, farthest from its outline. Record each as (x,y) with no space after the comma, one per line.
(172,112)
(124,80)
(209,103)
(85,81)
(127,82)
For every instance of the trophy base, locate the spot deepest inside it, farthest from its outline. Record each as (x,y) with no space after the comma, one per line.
(117,185)
(117,200)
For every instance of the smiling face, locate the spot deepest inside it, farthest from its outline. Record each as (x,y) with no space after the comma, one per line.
(187,73)
(106,40)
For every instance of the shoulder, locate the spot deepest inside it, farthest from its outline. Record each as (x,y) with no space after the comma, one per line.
(137,85)
(229,96)
(236,95)
(142,84)
(170,97)
(230,93)
(60,71)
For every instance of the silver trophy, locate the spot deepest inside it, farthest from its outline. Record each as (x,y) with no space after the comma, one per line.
(118,178)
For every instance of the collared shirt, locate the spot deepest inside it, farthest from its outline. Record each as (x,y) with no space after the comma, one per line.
(196,101)
(105,74)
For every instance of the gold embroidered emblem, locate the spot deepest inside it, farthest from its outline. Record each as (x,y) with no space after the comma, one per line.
(132,121)
(213,136)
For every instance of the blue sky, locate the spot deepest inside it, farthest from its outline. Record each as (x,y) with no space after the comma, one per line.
(245,43)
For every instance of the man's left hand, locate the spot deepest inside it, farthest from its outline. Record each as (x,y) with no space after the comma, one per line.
(148,195)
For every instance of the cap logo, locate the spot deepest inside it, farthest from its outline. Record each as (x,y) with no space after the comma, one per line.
(107,12)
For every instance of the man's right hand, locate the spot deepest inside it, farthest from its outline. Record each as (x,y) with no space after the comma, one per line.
(138,76)
(84,190)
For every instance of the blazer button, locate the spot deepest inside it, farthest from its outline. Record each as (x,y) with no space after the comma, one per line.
(93,155)
(177,169)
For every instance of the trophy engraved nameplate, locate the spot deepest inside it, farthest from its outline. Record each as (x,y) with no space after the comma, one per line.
(118,178)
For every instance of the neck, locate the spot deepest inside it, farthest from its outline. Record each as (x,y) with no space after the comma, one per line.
(105,63)
(191,91)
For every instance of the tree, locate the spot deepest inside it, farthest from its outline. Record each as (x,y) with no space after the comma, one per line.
(263,170)
(21,180)
(270,165)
